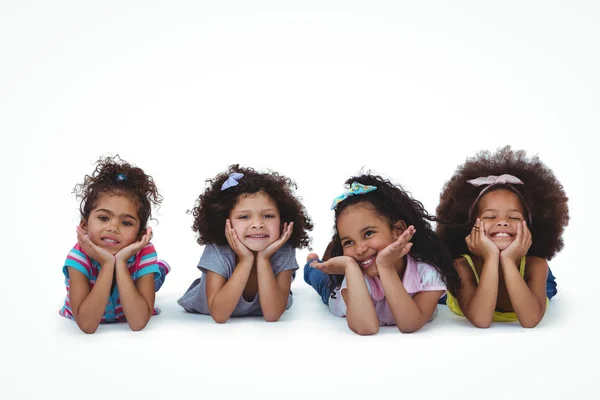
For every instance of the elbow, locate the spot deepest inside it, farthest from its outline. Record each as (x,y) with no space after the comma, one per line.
(530,324)
(88,328)
(366,330)
(407,330)
(272,317)
(483,323)
(136,327)
(219,319)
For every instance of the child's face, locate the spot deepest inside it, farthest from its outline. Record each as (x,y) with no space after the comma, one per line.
(500,212)
(113,223)
(255,218)
(363,233)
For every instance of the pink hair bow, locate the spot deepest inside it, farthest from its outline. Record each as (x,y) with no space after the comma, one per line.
(506,179)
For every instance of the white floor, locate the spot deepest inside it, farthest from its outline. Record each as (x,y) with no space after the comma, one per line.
(316,90)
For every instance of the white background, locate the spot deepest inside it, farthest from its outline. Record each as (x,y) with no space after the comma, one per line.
(315,90)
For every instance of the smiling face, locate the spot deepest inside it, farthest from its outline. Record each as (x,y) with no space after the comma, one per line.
(113,223)
(501,211)
(364,233)
(255,218)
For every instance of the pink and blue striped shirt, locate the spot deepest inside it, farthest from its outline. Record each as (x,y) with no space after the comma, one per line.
(143,263)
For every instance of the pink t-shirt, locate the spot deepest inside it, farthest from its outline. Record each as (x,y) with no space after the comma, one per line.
(418,277)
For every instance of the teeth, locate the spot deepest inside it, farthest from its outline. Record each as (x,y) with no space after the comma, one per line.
(501,234)
(109,240)
(367,261)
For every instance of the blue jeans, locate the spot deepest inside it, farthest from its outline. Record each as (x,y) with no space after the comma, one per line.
(550,288)
(319,280)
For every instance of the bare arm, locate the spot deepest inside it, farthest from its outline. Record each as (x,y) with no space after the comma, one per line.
(223,295)
(273,291)
(137,299)
(478,302)
(88,305)
(410,313)
(527,296)
(360,311)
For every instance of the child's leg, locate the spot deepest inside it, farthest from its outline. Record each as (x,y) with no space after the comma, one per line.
(551,285)
(164,270)
(319,280)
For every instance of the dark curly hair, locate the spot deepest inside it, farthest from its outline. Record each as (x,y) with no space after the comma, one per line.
(394,203)
(116,176)
(213,206)
(542,192)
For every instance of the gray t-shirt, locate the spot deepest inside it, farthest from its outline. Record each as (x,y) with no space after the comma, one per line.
(222,260)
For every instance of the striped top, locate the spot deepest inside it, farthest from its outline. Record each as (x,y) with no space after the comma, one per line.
(143,263)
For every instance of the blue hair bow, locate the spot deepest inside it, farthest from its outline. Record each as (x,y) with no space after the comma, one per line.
(355,188)
(233,179)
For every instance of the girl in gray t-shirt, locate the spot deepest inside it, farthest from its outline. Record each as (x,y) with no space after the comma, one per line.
(251,224)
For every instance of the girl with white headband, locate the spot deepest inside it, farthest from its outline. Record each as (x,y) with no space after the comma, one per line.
(502,216)
(250,224)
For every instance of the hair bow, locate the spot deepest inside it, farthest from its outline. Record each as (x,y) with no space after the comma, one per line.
(496,180)
(232,180)
(355,188)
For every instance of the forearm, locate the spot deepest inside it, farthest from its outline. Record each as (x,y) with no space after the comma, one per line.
(525,304)
(91,310)
(272,300)
(480,309)
(222,304)
(136,308)
(407,314)
(360,311)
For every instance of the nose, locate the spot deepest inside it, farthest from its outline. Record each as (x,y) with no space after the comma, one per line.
(361,249)
(113,226)
(502,222)
(257,222)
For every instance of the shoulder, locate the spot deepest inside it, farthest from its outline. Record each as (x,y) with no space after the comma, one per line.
(535,265)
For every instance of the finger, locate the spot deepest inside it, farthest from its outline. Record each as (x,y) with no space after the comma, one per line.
(406,249)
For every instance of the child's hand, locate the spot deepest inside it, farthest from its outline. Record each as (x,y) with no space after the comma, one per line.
(479,243)
(267,253)
(243,253)
(97,253)
(127,252)
(520,246)
(335,265)
(389,256)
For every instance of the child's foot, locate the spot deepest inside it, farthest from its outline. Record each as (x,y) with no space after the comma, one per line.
(311,257)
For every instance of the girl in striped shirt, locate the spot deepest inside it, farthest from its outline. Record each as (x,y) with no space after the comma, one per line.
(112,273)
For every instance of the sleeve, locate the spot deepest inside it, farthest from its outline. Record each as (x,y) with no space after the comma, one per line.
(430,278)
(217,259)
(284,259)
(146,262)
(337,306)
(78,260)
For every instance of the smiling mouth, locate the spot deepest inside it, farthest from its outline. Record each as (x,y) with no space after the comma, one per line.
(368,262)
(501,235)
(257,236)
(110,242)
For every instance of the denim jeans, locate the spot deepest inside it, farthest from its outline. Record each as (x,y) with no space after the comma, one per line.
(319,280)
(550,288)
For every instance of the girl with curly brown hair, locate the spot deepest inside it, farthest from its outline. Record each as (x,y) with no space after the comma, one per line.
(251,224)
(502,216)
(113,272)
(385,265)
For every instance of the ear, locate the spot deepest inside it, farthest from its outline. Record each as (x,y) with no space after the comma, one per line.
(399,227)
(83,225)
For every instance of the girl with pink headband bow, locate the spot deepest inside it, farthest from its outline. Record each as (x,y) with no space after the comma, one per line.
(502,216)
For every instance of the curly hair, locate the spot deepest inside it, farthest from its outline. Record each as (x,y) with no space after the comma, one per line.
(542,192)
(214,205)
(116,176)
(394,203)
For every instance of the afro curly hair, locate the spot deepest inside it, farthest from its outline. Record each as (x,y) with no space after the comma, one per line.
(541,190)
(113,175)
(214,205)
